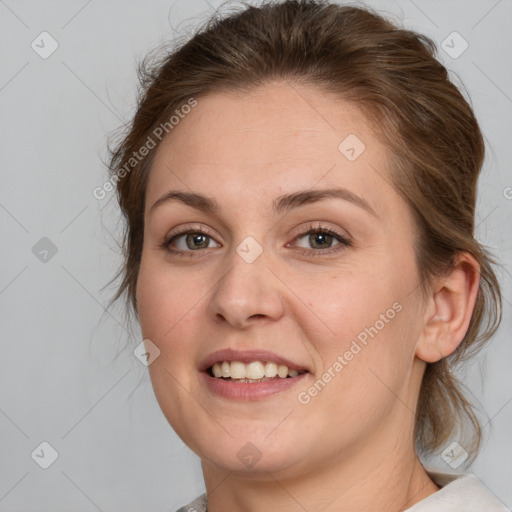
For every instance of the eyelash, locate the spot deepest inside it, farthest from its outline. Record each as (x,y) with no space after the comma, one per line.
(344,242)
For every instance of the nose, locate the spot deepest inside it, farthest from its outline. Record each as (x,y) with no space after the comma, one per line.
(246,293)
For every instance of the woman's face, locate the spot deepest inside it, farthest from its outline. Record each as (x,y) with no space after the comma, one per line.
(237,271)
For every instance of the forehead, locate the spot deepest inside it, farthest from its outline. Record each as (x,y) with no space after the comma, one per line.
(278,138)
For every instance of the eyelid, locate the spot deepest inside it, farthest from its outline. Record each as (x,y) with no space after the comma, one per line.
(304,230)
(184,230)
(344,240)
(319,225)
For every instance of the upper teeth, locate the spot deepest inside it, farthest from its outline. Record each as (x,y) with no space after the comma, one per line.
(254,371)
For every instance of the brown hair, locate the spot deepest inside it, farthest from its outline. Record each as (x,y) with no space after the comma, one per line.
(393,75)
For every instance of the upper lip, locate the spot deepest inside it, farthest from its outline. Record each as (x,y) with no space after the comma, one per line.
(248,356)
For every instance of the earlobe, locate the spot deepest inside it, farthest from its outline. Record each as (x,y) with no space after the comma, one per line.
(449,310)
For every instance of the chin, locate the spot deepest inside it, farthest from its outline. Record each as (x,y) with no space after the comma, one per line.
(252,460)
(248,450)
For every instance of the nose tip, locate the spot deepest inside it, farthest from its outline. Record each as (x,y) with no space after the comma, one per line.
(246,294)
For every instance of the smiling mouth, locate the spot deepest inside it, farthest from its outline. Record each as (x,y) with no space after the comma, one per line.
(253,372)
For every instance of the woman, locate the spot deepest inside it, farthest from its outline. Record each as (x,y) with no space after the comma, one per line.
(299,185)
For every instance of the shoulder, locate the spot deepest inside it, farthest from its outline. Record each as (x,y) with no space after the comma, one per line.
(463,491)
(198,505)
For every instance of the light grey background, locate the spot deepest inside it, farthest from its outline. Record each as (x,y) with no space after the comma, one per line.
(59,381)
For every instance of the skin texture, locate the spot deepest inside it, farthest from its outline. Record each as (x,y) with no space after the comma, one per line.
(351,446)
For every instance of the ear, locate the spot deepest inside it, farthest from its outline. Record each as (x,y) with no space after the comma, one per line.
(449,309)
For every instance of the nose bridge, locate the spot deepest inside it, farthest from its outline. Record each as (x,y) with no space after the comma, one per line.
(247,290)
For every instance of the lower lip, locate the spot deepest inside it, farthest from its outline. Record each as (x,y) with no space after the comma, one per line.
(249,390)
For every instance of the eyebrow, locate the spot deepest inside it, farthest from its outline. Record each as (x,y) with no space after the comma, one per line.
(281,204)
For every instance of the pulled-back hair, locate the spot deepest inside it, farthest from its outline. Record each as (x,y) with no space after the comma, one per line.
(394,77)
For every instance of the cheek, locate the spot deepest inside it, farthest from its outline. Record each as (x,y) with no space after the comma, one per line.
(364,365)
(150,296)
(162,300)
(171,308)
(351,303)
(370,321)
